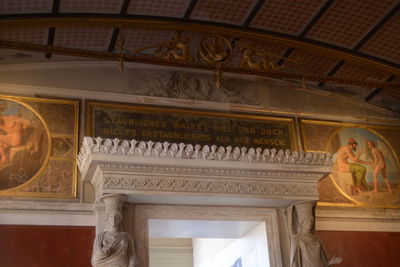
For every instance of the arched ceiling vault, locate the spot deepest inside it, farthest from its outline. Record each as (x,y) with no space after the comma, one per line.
(345,46)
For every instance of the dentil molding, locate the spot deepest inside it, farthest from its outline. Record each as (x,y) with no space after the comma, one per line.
(134,167)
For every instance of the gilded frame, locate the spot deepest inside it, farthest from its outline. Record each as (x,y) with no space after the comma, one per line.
(22,190)
(91,104)
(373,128)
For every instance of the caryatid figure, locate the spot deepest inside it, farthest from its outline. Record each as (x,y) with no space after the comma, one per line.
(113,248)
(306,249)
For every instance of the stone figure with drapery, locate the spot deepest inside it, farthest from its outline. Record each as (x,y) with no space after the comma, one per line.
(306,249)
(113,248)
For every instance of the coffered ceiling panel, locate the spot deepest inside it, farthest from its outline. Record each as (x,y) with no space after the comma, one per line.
(341,43)
(310,63)
(138,38)
(24,6)
(166,8)
(25,35)
(286,16)
(392,92)
(224,11)
(91,6)
(386,42)
(84,37)
(352,71)
(345,23)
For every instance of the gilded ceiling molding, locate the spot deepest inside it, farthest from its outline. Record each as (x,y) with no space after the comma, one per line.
(110,22)
(148,59)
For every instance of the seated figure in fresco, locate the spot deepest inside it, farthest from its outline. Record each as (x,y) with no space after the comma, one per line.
(306,249)
(13,130)
(113,248)
(379,166)
(357,170)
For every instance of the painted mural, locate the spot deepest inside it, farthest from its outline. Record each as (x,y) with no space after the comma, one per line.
(38,146)
(366,170)
(24,144)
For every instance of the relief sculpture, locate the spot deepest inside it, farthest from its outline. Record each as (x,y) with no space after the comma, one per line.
(113,248)
(306,249)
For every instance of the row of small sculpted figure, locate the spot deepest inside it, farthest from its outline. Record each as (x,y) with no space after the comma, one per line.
(206,152)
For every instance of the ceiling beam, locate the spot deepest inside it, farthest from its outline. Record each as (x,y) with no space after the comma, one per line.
(253,13)
(56,7)
(189,10)
(52,30)
(316,18)
(376,91)
(115,33)
(333,71)
(287,53)
(377,27)
(307,28)
(180,25)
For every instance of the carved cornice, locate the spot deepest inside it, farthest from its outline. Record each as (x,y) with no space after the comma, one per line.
(138,167)
(197,152)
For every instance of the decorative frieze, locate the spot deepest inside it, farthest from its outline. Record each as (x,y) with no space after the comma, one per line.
(208,186)
(198,152)
(142,168)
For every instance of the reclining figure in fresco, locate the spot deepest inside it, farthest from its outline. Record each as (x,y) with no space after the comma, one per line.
(306,249)
(113,248)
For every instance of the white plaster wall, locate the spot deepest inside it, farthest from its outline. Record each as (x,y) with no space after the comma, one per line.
(170,252)
(251,248)
(204,249)
(171,257)
(262,95)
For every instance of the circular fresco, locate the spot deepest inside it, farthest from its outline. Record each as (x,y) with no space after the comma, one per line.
(24,144)
(366,171)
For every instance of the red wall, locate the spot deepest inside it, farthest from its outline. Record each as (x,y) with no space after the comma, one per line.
(363,248)
(70,246)
(45,246)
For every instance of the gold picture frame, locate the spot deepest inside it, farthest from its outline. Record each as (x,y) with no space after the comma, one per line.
(164,116)
(38,147)
(329,136)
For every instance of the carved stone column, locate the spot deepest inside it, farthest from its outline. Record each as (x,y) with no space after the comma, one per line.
(111,203)
(306,248)
(113,247)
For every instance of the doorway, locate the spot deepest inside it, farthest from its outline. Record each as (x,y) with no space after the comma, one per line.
(207,243)
(237,234)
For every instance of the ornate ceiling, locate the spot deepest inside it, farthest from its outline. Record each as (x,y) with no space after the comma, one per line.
(349,47)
